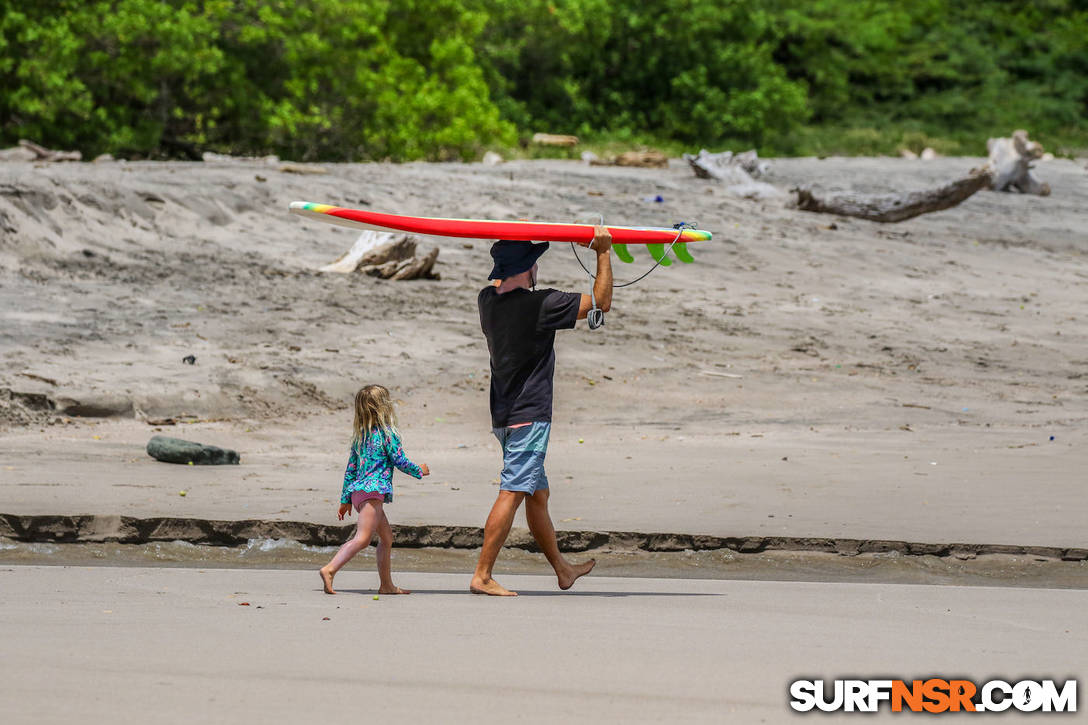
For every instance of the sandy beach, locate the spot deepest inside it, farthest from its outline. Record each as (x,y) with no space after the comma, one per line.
(145,645)
(898,389)
(810,375)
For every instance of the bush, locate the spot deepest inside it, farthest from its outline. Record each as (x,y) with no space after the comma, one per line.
(446,79)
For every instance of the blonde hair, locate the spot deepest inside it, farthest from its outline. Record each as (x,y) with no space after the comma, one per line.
(374,409)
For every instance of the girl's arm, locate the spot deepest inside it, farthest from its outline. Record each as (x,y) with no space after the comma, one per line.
(350,474)
(396,455)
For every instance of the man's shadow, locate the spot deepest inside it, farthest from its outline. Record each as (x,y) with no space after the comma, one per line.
(542,593)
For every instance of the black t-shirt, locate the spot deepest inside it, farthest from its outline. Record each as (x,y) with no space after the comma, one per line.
(520,329)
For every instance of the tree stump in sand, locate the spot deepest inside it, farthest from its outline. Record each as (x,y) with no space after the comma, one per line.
(411,268)
(387,256)
(1010,159)
(894,207)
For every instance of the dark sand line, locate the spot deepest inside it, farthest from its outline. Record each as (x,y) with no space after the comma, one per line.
(78,528)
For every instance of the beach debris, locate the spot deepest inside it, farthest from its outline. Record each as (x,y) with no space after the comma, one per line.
(375,597)
(386,255)
(210,157)
(722,165)
(41,378)
(368,241)
(17,153)
(491,159)
(176,450)
(647,159)
(656,198)
(554,139)
(589,157)
(927,154)
(1011,164)
(303,169)
(30,151)
(737,171)
(183,494)
(243,604)
(893,207)
(716,374)
(189,359)
(416,267)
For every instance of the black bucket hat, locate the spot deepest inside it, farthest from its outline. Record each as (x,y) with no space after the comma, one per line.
(513,257)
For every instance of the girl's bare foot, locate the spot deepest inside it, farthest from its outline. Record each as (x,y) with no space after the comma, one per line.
(489,587)
(393,590)
(326,580)
(566,581)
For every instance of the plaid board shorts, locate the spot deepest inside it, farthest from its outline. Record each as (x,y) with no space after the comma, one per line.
(523,451)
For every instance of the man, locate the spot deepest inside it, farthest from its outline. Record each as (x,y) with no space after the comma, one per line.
(519,323)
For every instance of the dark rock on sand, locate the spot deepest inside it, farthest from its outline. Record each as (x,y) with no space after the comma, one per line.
(176,450)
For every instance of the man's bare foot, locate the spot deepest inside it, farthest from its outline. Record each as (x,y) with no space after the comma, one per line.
(489,587)
(393,590)
(326,580)
(566,581)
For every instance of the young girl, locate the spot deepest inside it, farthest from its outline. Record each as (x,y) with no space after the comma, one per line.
(368,483)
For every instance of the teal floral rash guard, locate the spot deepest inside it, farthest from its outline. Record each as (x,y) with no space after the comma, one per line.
(370,465)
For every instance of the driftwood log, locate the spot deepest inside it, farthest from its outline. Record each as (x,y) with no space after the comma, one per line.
(648,159)
(894,207)
(387,256)
(1011,160)
(553,139)
(30,151)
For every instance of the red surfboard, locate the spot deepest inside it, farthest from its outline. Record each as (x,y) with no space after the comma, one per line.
(655,237)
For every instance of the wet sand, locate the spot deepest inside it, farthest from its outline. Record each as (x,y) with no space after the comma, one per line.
(869,568)
(148,645)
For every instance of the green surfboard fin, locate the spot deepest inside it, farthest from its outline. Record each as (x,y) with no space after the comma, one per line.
(657,251)
(682,253)
(622,253)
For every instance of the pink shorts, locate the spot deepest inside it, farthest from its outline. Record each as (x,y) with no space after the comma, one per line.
(360,497)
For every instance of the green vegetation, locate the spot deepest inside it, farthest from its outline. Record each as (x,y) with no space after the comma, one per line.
(448,79)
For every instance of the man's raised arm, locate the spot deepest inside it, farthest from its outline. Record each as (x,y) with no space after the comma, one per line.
(602,285)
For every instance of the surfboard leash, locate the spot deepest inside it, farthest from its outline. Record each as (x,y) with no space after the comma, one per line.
(595,316)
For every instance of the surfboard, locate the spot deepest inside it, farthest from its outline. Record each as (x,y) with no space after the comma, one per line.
(655,238)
